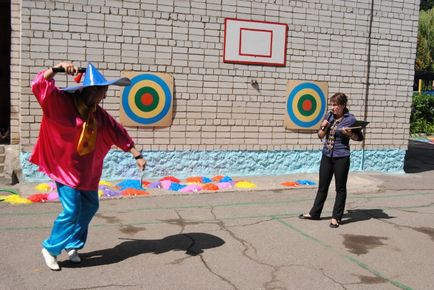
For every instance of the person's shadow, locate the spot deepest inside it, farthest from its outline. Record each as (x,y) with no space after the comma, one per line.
(192,243)
(419,157)
(358,215)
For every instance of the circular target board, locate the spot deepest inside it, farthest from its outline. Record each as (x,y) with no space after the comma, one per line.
(147,101)
(306,104)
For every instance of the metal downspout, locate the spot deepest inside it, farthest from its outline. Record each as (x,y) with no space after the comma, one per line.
(368,74)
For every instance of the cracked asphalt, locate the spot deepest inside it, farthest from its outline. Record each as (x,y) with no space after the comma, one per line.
(239,239)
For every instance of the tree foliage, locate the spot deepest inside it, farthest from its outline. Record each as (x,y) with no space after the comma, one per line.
(425,41)
(422,114)
(426,4)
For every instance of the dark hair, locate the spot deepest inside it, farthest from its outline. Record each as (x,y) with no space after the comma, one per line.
(340,99)
(80,98)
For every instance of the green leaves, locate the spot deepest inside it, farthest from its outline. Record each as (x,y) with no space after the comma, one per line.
(426,4)
(422,114)
(425,41)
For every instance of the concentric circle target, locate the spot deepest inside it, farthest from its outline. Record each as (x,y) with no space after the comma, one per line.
(147,100)
(306,105)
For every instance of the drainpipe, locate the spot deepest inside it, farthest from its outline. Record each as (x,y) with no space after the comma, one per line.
(368,74)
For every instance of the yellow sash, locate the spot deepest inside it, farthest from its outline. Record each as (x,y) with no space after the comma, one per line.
(87,141)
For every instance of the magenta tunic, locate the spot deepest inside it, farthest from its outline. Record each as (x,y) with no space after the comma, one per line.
(55,151)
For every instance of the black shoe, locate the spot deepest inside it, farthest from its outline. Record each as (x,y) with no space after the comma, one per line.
(336,225)
(307,217)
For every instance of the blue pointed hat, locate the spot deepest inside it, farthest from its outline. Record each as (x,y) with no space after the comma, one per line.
(93,77)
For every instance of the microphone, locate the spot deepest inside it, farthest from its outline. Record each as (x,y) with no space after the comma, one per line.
(325,128)
(61,69)
(330,114)
(77,78)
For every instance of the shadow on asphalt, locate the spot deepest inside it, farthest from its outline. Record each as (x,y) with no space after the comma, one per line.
(419,157)
(358,215)
(192,243)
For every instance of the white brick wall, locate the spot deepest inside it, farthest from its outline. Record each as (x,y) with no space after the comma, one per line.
(215,107)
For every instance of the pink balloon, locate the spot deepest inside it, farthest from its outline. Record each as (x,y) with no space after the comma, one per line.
(191,188)
(223,185)
(166,184)
(52,185)
(52,196)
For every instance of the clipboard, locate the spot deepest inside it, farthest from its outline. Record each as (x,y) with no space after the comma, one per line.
(358,125)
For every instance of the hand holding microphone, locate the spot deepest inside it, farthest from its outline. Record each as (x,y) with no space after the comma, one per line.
(326,123)
(69,69)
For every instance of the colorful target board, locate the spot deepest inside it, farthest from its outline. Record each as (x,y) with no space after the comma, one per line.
(148,101)
(306,104)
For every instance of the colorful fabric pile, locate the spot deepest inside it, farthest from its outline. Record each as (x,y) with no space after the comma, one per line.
(46,192)
(12,197)
(130,187)
(297,183)
(196,183)
(424,139)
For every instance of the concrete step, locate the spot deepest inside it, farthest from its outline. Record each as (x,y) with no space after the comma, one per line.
(2,159)
(9,164)
(2,163)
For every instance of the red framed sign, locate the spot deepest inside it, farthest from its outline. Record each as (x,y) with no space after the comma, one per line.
(255,42)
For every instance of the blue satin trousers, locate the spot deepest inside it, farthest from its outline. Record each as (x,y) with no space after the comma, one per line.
(70,227)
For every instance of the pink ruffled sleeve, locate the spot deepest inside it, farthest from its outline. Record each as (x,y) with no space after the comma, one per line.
(43,88)
(116,134)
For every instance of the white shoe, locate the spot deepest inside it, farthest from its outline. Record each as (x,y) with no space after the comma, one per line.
(73,256)
(50,260)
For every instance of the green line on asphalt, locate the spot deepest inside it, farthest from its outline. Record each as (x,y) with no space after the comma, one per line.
(268,202)
(29,213)
(25,228)
(153,222)
(247,203)
(235,204)
(348,257)
(8,229)
(376,273)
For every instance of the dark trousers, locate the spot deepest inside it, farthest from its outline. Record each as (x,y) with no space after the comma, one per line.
(338,167)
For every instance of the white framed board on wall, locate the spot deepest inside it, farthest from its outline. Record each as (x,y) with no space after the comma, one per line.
(255,42)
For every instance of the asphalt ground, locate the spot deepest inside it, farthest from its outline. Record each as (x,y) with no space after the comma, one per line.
(240,239)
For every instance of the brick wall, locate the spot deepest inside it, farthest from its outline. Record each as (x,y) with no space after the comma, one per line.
(215,106)
(15,68)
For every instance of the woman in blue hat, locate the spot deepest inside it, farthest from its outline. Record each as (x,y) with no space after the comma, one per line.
(75,136)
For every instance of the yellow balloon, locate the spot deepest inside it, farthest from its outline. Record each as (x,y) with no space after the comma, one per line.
(43,187)
(245,184)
